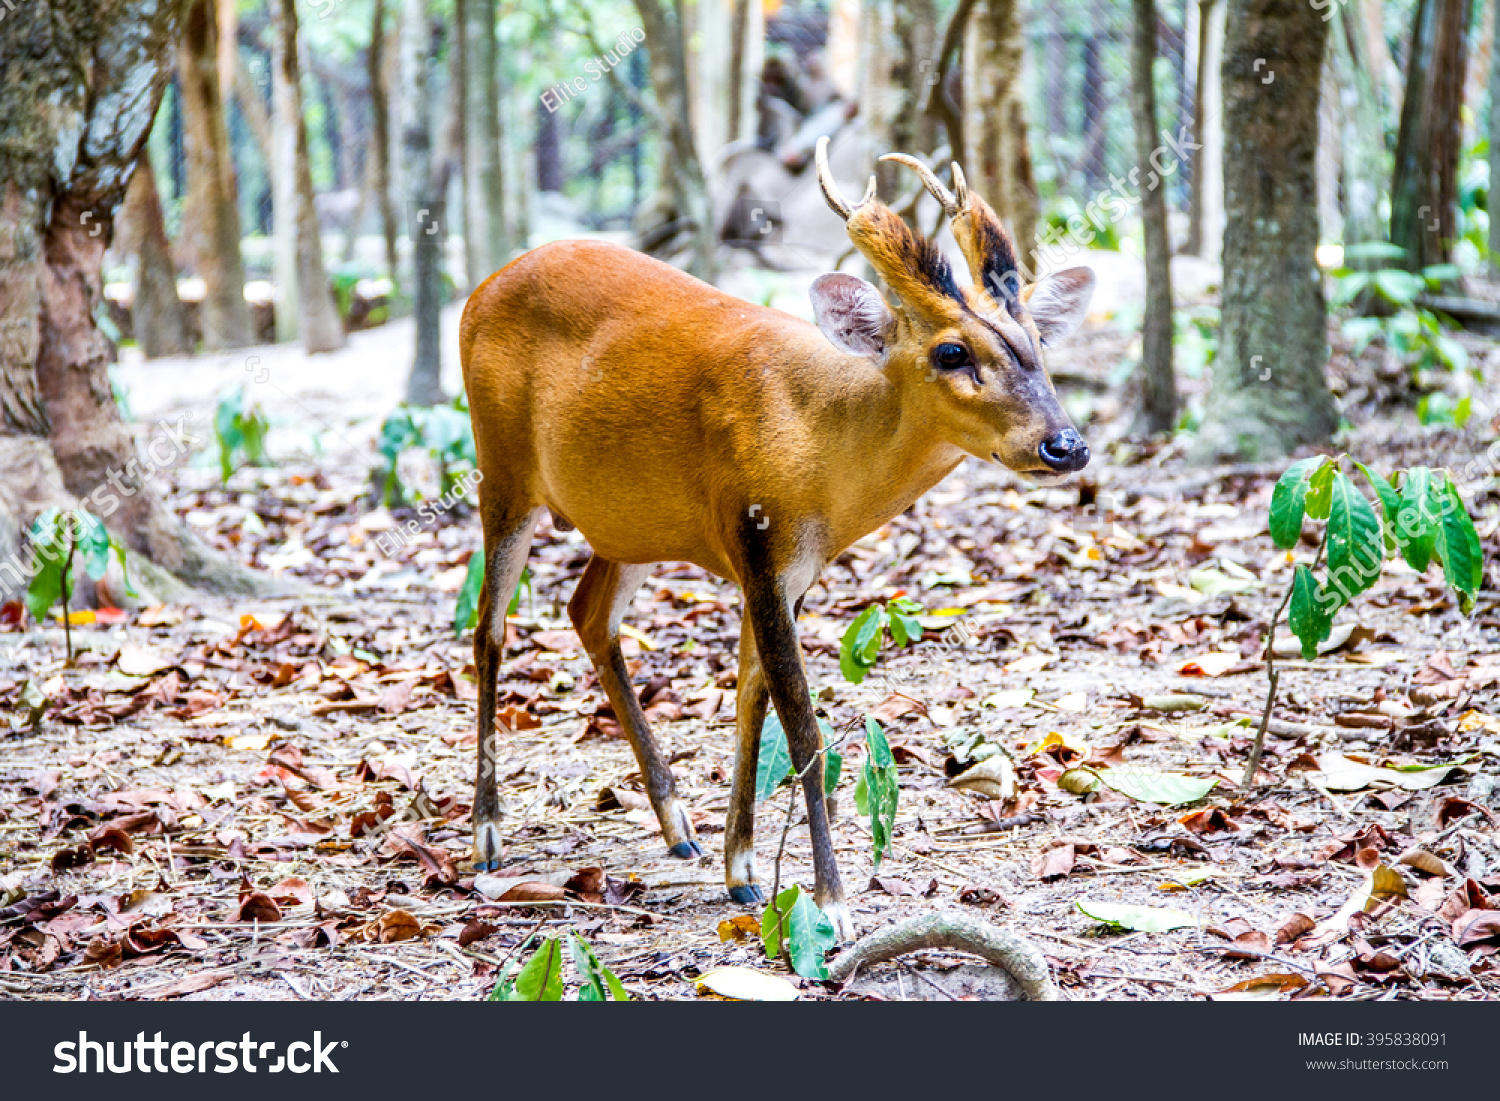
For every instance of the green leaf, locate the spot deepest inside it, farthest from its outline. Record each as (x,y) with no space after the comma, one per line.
(1289,500)
(1310,614)
(833,760)
(774,762)
(1143,919)
(1400,288)
(793,925)
(1416,522)
(466,610)
(540,979)
(1320,489)
(1356,548)
(881,784)
(93,544)
(1390,503)
(1374,250)
(1458,547)
(861,642)
(515,597)
(598,980)
(49,539)
(45,589)
(1169,789)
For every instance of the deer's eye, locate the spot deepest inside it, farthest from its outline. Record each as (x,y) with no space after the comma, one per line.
(950,357)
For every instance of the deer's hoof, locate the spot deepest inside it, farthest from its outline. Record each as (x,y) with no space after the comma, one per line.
(686,850)
(748,895)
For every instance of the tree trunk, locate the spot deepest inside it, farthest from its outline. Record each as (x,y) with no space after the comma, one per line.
(426,206)
(211,218)
(380,135)
(156,313)
(997,154)
(1208,132)
(1424,188)
(1493,204)
(1269,395)
(484,224)
(79,87)
(662,20)
(1363,133)
(305,293)
(1158,383)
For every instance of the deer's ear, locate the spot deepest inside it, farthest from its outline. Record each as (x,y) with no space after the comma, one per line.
(852,314)
(1058,302)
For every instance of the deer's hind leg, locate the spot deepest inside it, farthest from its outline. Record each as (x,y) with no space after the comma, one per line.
(507,541)
(598,604)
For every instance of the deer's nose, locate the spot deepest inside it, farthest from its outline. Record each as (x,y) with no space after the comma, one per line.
(1065,452)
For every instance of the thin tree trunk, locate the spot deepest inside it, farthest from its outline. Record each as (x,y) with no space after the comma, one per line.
(1208,127)
(1269,395)
(1494,201)
(305,293)
(662,20)
(211,220)
(1363,134)
(380,135)
(1158,383)
(1424,188)
(426,207)
(1193,246)
(997,153)
(484,227)
(156,313)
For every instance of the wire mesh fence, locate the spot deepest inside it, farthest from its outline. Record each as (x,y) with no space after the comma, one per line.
(596,159)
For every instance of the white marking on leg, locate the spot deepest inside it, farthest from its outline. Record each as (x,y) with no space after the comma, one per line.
(742,867)
(843,925)
(503,573)
(631,578)
(800,573)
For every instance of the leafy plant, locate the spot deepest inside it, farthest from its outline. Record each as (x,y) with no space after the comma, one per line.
(240,429)
(793,928)
(1420,516)
(540,978)
(443,431)
(1389,294)
(878,789)
(774,762)
(861,643)
(57,538)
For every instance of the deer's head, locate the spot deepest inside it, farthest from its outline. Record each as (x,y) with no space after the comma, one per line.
(969,360)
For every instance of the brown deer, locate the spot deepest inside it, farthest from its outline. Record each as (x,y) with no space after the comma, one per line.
(668,421)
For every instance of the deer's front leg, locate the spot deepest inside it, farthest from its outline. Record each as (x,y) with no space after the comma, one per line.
(739,823)
(769,609)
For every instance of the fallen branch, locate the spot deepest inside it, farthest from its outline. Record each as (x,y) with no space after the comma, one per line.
(1010,952)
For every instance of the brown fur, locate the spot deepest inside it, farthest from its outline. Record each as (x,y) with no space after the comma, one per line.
(669,421)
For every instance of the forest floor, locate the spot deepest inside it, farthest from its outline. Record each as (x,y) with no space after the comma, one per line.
(189,814)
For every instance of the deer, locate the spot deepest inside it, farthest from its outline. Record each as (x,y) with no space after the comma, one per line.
(668,421)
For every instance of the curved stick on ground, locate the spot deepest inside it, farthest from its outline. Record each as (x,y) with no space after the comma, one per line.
(1006,950)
